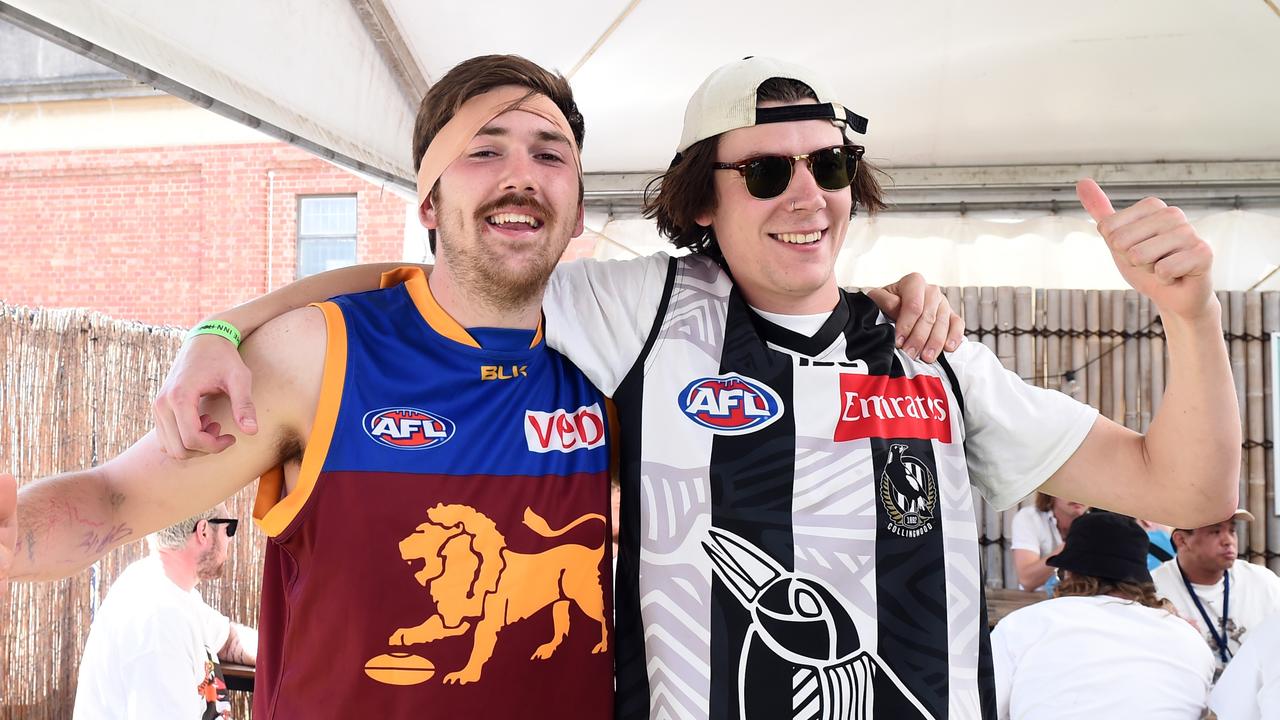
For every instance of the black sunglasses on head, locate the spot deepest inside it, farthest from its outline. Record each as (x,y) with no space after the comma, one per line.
(767,176)
(232,524)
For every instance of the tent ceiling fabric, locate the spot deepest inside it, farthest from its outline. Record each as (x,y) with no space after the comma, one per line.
(307,67)
(945,82)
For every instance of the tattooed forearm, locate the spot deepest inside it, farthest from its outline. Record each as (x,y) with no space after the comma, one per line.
(97,543)
(241,646)
(65,523)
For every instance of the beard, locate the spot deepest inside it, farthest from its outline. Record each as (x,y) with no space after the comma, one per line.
(208,567)
(485,271)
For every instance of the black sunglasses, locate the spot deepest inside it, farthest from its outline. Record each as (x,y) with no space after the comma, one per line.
(232,524)
(768,176)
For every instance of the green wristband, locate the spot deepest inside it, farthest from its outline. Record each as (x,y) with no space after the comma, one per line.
(216,327)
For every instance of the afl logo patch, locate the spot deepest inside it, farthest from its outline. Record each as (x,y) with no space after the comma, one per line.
(405,428)
(730,404)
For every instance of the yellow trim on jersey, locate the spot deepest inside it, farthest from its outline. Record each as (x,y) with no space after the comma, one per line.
(415,281)
(272,512)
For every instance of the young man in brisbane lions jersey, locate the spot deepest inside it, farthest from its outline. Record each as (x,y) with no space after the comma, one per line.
(798,536)
(435,479)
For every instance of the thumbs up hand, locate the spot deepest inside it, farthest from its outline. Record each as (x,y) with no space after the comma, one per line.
(1157,251)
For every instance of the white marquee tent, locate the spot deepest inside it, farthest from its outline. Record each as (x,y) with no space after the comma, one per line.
(983,111)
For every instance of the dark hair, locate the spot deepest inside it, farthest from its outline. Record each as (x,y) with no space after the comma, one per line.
(1143,593)
(480,75)
(687,189)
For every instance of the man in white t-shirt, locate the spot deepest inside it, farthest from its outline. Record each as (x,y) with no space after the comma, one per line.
(1249,688)
(1223,596)
(154,647)
(1105,647)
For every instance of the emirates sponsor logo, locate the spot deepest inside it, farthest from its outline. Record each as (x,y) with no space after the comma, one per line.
(881,406)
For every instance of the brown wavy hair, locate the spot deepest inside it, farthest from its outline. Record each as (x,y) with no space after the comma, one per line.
(478,76)
(687,189)
(1143,593)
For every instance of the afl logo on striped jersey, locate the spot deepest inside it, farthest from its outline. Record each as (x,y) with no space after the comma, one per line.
(406,428)
(730,404)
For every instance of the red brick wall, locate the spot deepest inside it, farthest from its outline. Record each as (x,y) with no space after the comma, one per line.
(168,235)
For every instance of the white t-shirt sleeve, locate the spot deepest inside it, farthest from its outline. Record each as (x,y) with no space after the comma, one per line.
(599,313)
(158,678)
(215,627)
(1016,435)
(1028,531)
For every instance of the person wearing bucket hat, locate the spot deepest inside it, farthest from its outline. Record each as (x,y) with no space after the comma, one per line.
(1108,550)
(785,460)
(1106,645)
(1222,595)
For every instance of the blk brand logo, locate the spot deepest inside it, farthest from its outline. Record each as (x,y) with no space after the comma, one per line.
(503,372)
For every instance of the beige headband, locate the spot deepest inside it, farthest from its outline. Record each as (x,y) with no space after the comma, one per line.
(449,144)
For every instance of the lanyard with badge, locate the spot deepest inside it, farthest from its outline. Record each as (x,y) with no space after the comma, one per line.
(1219,640)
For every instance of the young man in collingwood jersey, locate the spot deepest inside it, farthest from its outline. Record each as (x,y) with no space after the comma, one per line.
(798,537)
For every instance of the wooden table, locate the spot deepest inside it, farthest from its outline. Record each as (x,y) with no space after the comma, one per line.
(1001,602)
(238,677)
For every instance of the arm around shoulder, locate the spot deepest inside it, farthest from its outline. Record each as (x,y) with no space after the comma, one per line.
(208,365)
(600,313)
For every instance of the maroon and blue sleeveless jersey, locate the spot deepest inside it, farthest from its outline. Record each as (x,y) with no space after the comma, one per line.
(445,551)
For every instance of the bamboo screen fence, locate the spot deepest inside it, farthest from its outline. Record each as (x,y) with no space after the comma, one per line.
(77,387)
(1106,348)
(76,390)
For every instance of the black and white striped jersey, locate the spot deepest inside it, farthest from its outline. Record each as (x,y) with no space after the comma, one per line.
(798,536)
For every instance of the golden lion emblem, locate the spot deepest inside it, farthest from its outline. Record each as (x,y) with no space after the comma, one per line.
(475,579)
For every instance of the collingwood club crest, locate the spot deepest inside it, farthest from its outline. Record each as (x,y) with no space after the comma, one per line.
(799,619)
(908,492)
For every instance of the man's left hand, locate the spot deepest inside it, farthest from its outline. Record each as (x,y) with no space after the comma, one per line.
(926,323)
(1157,251)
